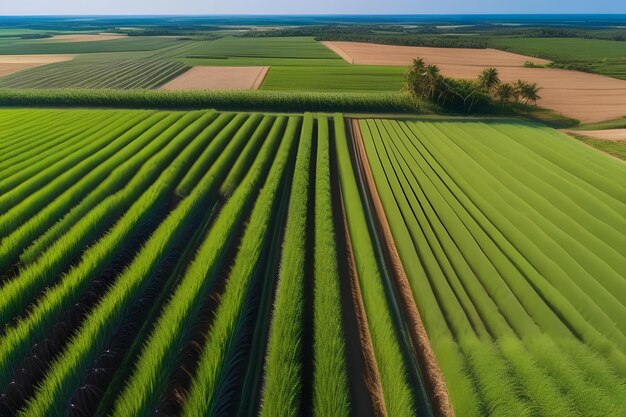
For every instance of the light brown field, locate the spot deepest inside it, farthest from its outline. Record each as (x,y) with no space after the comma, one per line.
(86,37)
(587,97)
(10,64)
(219,78)
(616,135)
(373,54)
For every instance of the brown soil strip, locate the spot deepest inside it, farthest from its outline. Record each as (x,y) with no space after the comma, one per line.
(219,78)
(260,78)
(375,54)
(86,37)
(336,48)
(614,135)
(364,379)
(433,377)
(10,64)
(34,59)
(6,69)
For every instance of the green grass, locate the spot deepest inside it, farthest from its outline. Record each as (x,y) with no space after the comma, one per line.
(351,78)
(611,124)
(605,57)
(612,147)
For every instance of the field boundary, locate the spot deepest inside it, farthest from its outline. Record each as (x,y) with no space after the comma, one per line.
(434,381)
(260,78)
(371,374)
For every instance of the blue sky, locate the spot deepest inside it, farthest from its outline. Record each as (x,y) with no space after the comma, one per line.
(308,6)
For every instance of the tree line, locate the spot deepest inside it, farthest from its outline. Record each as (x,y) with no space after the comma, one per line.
(426,83)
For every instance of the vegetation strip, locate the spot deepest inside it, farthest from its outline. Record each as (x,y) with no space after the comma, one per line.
(330,375)
(397,393)
(428,363)
(222,100)
(282,390)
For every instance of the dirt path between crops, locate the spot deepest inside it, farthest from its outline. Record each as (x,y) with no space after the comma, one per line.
(615,135)
(363,376)
(431,372)
(589,98)
(10,64)
(219,78)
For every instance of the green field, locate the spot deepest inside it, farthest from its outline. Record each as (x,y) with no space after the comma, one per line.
(603,56)
(511,237)
(120,226)
(45,46)
(210,262)
(352,78)
(612,147)
(241,47)
(338,243)
(297,64)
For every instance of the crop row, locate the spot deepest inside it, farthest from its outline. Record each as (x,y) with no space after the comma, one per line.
(510,238)
(188,262)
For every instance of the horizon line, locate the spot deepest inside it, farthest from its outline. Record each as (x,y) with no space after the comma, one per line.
(306,14)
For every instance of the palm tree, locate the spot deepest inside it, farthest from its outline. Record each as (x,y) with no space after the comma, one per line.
(414,78)
(505,92)
(489,79)
(431,81)
(519,86)
(530,93)
(418,65)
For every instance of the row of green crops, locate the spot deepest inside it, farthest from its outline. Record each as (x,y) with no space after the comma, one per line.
(243,100)
(512,238)
(186,262)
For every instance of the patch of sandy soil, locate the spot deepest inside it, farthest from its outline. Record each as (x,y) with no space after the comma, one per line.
(587,97)
(219,78)
(616,135)
(374,54)
(87,37)
(10,64)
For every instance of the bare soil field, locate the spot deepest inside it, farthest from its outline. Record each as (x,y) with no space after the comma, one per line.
(10,64)
(374,54)
(219,78)
(616,135)
(587,97)
(87,37)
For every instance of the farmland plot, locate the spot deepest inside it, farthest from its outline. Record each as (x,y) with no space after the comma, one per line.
(189,263)
(512,238)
